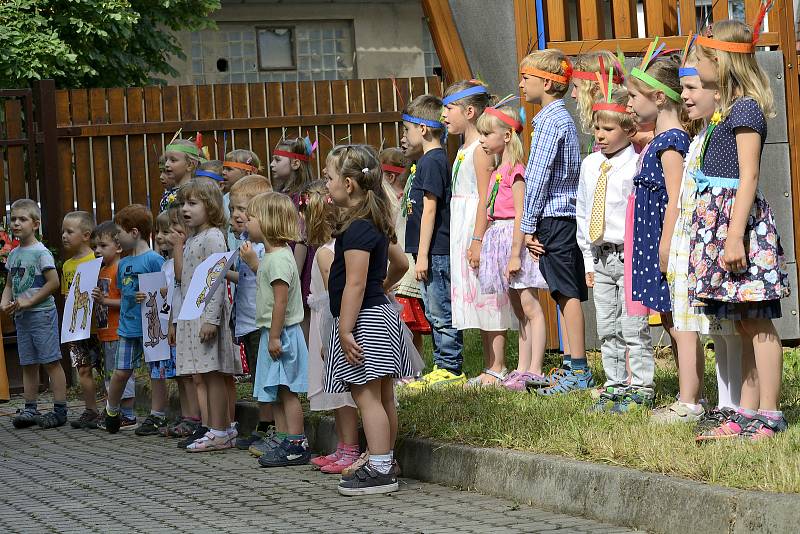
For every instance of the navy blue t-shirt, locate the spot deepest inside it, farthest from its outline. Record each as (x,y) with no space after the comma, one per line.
(433,176)
(360,235)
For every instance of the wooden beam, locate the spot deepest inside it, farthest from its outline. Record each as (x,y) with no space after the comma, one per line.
(446,40)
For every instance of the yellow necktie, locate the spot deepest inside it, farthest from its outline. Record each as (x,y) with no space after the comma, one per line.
(598,218)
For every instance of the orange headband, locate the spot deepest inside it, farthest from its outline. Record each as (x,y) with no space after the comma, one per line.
(726,46)
(237,165)
(291,155)
(539,73)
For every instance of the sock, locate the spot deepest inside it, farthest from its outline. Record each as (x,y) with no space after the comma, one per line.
(193,419)
(347,451)
(127,412)
(233,425)
(566,361)
(693,407)
(219,433)
(578,365)
(721,357)
(747,413)
(296,439)
(382,463)
(60,407)
(111,410)
(771,414)
(264,426)
(281,435)
(158,414)
(30,406)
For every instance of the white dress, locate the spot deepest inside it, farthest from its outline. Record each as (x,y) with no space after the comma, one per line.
(471,308)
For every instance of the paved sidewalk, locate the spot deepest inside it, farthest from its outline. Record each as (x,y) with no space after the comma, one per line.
(67,480)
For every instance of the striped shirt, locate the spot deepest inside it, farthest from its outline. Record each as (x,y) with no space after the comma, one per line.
(554,167)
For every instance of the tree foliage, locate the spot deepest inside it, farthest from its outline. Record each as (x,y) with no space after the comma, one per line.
(95,43)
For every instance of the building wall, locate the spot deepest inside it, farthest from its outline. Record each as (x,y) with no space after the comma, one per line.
(389,38)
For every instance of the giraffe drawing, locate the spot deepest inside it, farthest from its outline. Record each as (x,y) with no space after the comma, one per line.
(81,302)
(213,273)
(154,331)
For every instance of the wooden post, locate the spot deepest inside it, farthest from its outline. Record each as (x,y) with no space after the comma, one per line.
(50,190)
(446,40)
(5,394)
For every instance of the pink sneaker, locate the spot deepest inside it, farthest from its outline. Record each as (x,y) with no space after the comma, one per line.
(321,461)
(336,468)
(520,382)
(210,442)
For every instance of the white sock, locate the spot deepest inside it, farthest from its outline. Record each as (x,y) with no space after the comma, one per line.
(381,463)
(721,357)
(219,433)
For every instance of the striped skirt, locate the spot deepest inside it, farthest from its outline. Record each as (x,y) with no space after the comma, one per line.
(379,333)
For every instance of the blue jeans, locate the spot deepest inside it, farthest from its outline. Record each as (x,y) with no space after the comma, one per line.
(448,343)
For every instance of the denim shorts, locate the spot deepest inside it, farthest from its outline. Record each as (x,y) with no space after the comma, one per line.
(109,358)
(130,353)
(37,336)
(163,368)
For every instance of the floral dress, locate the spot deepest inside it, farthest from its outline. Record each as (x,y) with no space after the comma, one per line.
(765,280)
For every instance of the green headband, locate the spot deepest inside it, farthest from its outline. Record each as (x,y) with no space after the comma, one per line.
(186,149)
(655,84)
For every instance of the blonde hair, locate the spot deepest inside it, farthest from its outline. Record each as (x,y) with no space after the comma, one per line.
(588,90)
(552,61)
(351,161)
(251,185)
(479,101)
(84,219)
(240,155)
(488,123)
(192,161)
(738,74)
(302,174)
(29,206)
(213,165)
(277,217)
(625,120)
(319,212)
(207,192)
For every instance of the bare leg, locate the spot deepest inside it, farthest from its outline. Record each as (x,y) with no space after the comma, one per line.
(564,337)
(690,361)
(389,405)
(231,385)
(573,326)
(524,345)
(202,398)
(159,400)
(116,386)
(188,395)
(377,427)
(536,328)
(265,412)
(58,381)
(280,418)
(768,354)
(30,382)
(420,346)
(292,411)
(217,399)
(494,346)
(346,425)
(88,389)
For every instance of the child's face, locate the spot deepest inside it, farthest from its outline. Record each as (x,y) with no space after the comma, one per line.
(708,70)
(176,165)
(238,207)
(254,232)
(162,243)
(644,106)
(700,103)
(194,213)
(577,85)
(412,138)
(230,176)
(72,235)
(337,188)
(281,167)
(610,137)
(106,247)
(164,179)
(532,88)
(495,141)
(457,118)
(23,226)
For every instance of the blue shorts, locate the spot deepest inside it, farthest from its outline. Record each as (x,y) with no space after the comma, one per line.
(130,353)
(38,341)
(109,360)
(163,368)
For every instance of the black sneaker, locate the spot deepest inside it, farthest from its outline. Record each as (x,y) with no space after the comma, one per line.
(713,418)
(243,443)
(112,423)
(127,424)
(150,426)
(286,454)
(199,433)
(368,481)
(88,419)
(25,418)
(51,420)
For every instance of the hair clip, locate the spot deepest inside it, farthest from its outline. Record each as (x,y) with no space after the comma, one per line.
(365,170)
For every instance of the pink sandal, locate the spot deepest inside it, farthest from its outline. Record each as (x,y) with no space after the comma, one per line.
(210,442)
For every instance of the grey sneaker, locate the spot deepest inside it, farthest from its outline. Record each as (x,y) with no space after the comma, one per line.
(677,412)
(265,444)
(368,481)
(25,418)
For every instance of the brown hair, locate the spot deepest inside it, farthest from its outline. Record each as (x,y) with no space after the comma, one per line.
(552,61)
(625,120)
(351,161)
(393,156)
(206,191)
(277,217)
(135,216)
(241,155)
(302,175)
(319,212)
(213,165)
(163,221)
(428,107)
(479,101)
(174,214)
(28,205)
(84,219)
(106,229)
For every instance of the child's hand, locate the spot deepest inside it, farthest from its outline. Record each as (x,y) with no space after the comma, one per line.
(275,348)
(589,279)
(735,257)
(98,296)
(176,238)
(352,352)
(534,246)
(513,267)
(22,304)
(663,254)
(421,269)
(474,254)
(171,335)
(247,253)
(141,296)
(9,308)
(207,332)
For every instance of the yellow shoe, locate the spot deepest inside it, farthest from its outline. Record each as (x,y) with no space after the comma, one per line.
(438,378)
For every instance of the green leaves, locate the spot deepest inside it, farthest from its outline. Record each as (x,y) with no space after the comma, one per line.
(95,43)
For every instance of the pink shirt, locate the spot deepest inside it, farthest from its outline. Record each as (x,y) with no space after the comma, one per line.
(504,204)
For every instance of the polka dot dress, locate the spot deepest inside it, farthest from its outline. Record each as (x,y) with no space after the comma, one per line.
(649,284)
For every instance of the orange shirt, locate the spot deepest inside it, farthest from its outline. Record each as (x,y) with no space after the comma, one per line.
(107,317)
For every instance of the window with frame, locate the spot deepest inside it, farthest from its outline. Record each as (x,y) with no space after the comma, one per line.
(276,48)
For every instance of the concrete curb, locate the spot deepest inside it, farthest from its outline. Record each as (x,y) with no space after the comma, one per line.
(622,496)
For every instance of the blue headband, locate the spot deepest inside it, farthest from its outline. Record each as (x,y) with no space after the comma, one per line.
(478,89)
(209,174)
(687,71)
(426,122)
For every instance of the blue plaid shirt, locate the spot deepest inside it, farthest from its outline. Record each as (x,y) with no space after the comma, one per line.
(554,167)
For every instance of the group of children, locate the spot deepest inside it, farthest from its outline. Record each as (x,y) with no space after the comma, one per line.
(336,280)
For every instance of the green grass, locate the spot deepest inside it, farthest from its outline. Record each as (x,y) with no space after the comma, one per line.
(491,417)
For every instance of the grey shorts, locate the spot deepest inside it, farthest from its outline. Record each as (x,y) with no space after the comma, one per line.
(38,341)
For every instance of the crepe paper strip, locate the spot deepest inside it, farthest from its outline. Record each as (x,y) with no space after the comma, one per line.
(209,174)
(175,136)
(237,165)
(477,90)
(539,73)
(291,155)
(393,168)
(186,149)
(684,72)
(493,196)
(590,76)
(517,126)
(424,122)
(657,85)
(766,5)
(689,42)
(726,46)
(605,106)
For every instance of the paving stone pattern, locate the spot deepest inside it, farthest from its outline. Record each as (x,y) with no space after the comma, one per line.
(67,480)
